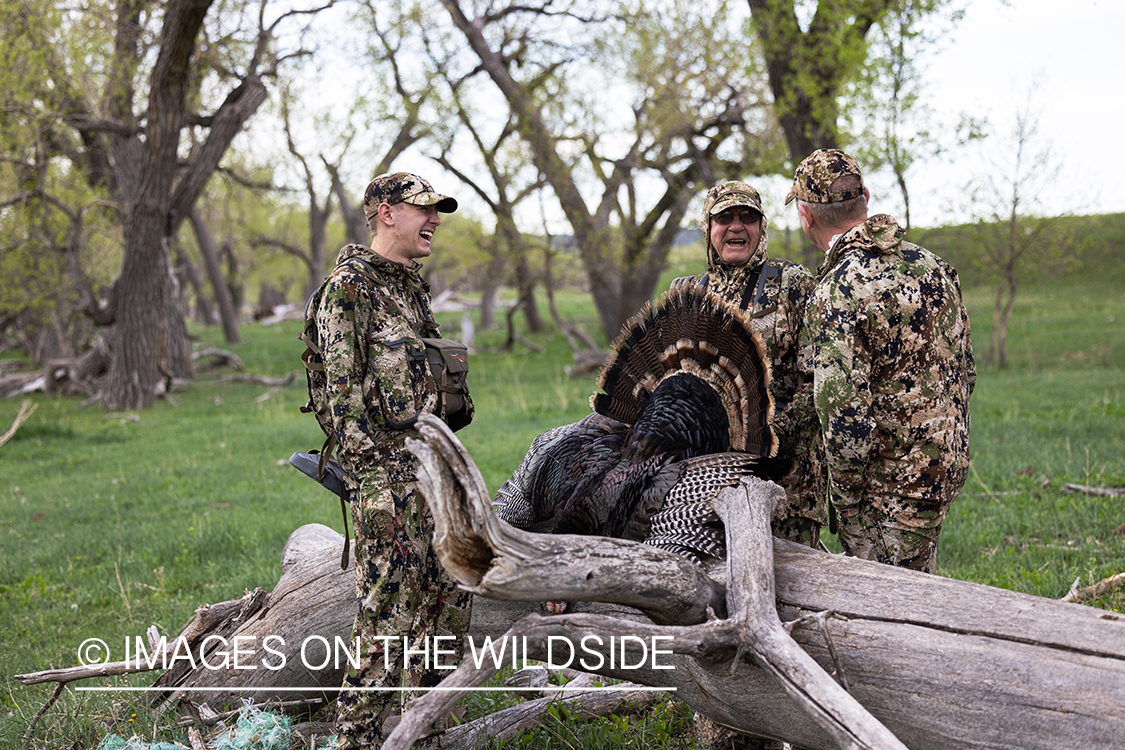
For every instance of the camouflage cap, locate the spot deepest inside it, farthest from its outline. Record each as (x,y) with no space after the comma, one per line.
(727,195)
(815,176)
(403,187)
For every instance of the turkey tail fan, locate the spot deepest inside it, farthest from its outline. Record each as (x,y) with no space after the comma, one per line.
(696,332)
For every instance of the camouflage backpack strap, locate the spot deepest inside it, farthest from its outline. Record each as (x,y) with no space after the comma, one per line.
(313,360)
(361,266)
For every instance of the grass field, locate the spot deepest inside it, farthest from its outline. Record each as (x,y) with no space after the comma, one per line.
(110,523)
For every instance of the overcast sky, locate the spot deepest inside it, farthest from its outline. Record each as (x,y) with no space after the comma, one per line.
(1074,49)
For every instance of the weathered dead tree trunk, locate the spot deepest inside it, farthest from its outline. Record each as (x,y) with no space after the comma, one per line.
(941,663)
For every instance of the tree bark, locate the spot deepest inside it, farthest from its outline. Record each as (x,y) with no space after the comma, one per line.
(227,311)
(808,69)
(148,340)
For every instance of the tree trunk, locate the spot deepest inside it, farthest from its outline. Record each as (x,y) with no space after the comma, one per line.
(318,241)
(809,69)
(355,225)
(203,312)
(227,311)
(148,340)
(490,285)
(1005,317)
(525,280)
(233,275)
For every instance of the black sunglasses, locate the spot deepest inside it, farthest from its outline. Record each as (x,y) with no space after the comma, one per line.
(746,216)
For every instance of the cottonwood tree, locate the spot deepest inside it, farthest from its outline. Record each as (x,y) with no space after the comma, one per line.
(887,110)
(511,180)
(1014,224)
(809,68)
(812,68)
(125,106)
(623,128)
(148,337)
(58,235)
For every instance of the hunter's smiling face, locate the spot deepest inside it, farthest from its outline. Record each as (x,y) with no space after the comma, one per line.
(413,229)
(735,233)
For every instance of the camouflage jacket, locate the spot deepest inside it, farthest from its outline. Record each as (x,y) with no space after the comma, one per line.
(777,317)
(375,363)
(893,367)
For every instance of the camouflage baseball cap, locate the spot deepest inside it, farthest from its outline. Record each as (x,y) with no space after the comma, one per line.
(727,195)
(818,172)
(403,187)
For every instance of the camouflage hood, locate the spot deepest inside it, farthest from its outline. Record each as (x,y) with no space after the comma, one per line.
(726,279)
(879,235)
(409,277)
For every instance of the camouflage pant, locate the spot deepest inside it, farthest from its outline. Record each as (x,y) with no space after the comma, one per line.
(404,594)
(804,510)
(893,530)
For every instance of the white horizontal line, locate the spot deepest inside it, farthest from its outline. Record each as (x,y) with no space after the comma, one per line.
(545,688)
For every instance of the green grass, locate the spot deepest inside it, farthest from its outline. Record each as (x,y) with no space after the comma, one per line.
(112,523)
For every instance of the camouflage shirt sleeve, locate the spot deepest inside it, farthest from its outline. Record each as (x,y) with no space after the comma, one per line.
(790,382)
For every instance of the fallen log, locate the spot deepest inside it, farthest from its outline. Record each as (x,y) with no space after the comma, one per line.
(217,358)
(941,663)
(261,379)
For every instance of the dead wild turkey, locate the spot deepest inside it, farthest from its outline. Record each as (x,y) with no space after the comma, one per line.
(685,412)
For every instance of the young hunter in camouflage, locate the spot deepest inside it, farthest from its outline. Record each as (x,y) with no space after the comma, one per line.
(893,370)
(775,291)
(371,313)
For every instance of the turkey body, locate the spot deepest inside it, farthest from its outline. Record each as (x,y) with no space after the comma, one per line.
(684,414)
